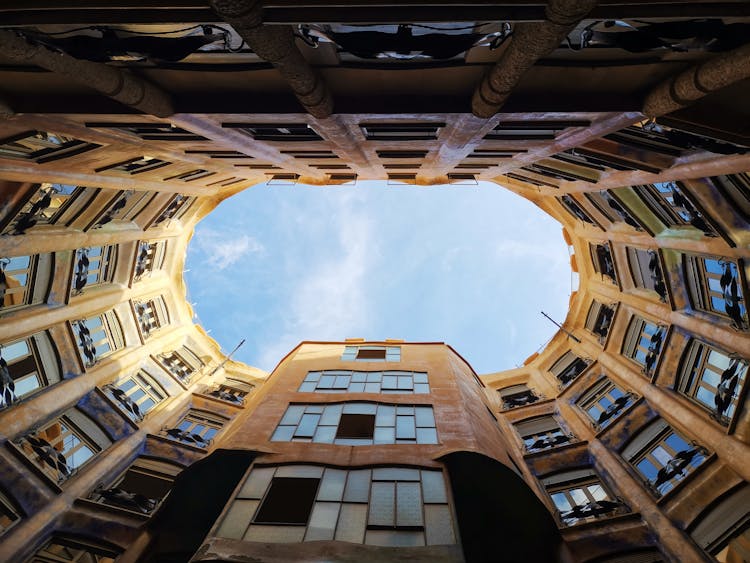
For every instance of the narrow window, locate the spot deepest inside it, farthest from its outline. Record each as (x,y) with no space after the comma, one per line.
(149,257)
(612,209)
(401,131)
(94,265)
(137,394)
(24,280)
(568,367)
(646,271)
(599,320)
(663,457)
(715,286)
(604,264)
(98,337)
(674,206)
(542,433)
(151,315)
(175,209)
(575,209)
(643,343)
(31,364)
(126,206)
(182,363)
(41,146)
(284,132)
(714,378)
(137,165)
(579,496)
(605,402)
(151,131)
(197,428)
(44,207)
(517,396)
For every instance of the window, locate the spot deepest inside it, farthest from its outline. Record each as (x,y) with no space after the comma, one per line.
(42,208)
(646,271)
(283,179)
(494,153)
(137,394)
(575,209)
(517,396)
(568,367)
(197,428)
(232,155)
(643,343)
(151,315)
(716,286)
(371,353)
(541,433)
(605,402)
(599,320)
(137,165)
(674,206)
(311,154)
(713,378)
(284,132)
(579,496)
(401,131)
(8,514)
(191,176)
(401,154)
(94,265)
(357,424)
(40,146)
(181,363)
(141,488)
(61,550)
(612,209)
(391,506)
(531,130)
(232,390)
(736,188)
(151,131)
(64,445)
(98,337)
(561,171)
(401,178)
(344,381)
(663,457)
(24,280)
(723,530)
(175,209)
(601,255)
(149,257)
(31,363)
(124,207)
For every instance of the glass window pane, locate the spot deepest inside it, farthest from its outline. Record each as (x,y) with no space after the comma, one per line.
(332,485)
(433,487)
(408,504)
(322,522)
(382,504)
(357,486)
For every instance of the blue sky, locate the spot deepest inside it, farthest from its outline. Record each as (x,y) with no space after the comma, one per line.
(471,266)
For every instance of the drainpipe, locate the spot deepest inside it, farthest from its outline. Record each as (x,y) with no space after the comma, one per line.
(276,45)
(118,84)
(529,42)
(691,85)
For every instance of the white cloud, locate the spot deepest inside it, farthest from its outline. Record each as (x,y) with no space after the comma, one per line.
(328,298)
(221,249)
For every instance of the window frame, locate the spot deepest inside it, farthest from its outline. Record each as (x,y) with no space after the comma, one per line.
(66,147)
(144,387)
(600,396)
(699,280)
(542,433)
(646,355)
(351,353)
(103,273)
(586,481)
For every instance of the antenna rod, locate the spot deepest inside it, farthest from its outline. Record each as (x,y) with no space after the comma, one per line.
(225,360)
(569,334)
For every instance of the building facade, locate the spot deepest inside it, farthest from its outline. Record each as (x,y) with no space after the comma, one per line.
(625,439)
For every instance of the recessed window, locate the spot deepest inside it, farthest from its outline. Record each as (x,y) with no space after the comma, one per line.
(575,209)
(151,131)
(736,188)
(181,363)
(311,154)
(643,343)
(605,402)
(126,206)
(232,390)
(372,353)
(32,365)
(568,367)
(44,207)
(94,265)
(560,171)
(604,264)
(579,496)
(541,433)
(137,165)
(64,445)
(716,286)
(343,381)
(289,500)
(141,488)
(151,315)
(137,394)
(175,209)
(41,146)
(401,154)
(191,176)
(197,428)
(357,424)
(62,550)
(8,514)
(714,378)
(609,206)
(532,130)
(98,336)
(646,271)
(674,206)
(401,131)
(495,153)
(599,320)
(284,132)
(517,396)
(24,280)
(663,457)
(149,257)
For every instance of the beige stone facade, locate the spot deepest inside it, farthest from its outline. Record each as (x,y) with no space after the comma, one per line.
(125,123)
